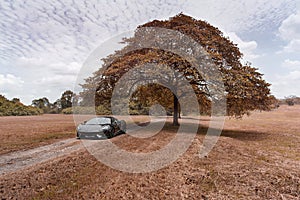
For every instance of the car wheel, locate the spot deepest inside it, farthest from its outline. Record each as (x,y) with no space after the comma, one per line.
(110,134)
(77,136)
(107,135)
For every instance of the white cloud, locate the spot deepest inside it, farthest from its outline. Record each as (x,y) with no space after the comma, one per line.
(46,77)
(292,47)
(243,16)
(290,32)
(290,27)
(65,68)
(10,85)
(285,85)
(246,47)
(53,67)
(57,81)
(10,80)
(291,64)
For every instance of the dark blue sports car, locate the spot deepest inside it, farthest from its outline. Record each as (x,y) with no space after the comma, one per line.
(101,128)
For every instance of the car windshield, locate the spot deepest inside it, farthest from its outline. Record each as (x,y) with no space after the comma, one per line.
(99,121)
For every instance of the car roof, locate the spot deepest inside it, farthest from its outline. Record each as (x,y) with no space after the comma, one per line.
(105,117)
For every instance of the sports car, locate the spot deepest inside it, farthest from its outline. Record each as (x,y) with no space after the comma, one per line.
(101,128)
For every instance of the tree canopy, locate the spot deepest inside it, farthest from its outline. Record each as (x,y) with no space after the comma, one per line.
(244,86)
(66,99)
(42,103)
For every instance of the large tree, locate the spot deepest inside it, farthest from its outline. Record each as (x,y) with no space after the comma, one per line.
(244,86)
(42,103)
(66,100)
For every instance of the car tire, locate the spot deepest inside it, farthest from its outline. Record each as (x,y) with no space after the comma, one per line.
(107,135)
(77,136)
(110,134)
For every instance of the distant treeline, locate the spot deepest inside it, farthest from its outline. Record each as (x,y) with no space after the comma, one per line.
(15,108)
(290,100)
(67,99)
(65,104)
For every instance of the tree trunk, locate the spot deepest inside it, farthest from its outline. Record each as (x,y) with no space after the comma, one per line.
(175,112)
(179,111)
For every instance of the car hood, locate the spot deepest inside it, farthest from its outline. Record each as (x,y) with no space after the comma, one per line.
(91,128)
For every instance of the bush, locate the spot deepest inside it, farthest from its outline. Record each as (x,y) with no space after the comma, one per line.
(67,111)
(292,100)
(99,110)
(78,110)
(16,108)
(103,110)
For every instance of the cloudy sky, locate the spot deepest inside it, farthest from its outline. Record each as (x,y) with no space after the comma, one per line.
(43,44)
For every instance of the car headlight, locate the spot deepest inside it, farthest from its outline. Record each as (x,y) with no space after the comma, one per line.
(78,128)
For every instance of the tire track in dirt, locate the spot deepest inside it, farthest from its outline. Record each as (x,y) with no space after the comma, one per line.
(22,159)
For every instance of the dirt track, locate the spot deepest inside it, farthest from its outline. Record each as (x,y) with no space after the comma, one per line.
(19,160)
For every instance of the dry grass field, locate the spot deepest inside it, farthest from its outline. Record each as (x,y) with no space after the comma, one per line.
(19,133)
(257,157)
